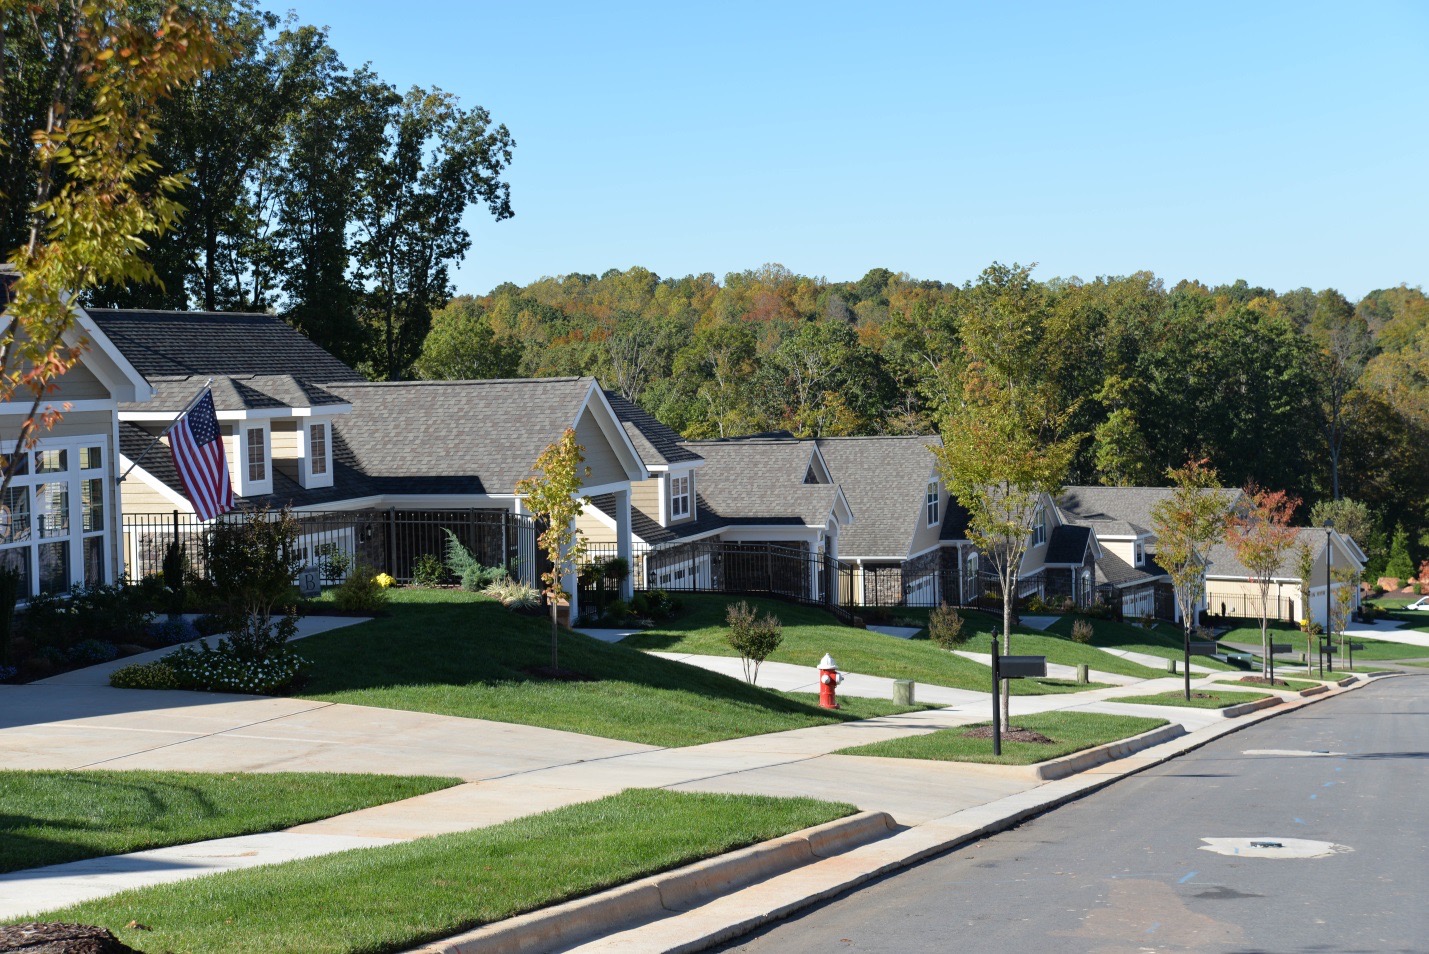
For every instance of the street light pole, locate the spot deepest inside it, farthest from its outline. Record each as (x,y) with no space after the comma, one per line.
(1329,619)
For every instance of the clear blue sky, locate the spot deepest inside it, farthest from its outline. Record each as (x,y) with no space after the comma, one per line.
(1283,143)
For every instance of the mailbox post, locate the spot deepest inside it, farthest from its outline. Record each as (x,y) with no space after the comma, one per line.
(1009,667)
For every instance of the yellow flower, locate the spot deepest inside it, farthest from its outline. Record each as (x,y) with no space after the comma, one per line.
(383,580)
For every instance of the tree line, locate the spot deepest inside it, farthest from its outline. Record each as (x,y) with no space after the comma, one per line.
(314,190)
(1301,390)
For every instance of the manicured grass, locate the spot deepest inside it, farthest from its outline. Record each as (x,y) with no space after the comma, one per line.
(1382,649)
(397,896)
(1163,640)
(1249,633)
(809,633)
(1217,699)
(1069,731)
(51,817)
(462,654)
(1062,650)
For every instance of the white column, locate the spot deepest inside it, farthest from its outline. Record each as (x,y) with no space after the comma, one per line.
(814,567)
(623,544)
(569,582)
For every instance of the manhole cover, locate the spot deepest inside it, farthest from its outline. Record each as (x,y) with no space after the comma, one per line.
(1273,847)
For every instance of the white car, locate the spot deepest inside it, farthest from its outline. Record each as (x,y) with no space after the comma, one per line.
(1420,604)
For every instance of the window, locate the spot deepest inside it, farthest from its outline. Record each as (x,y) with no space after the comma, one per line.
(1140,553)
(317,449)
(933,494)
(1039,526)
(679,497)
(53,529)
(257,454)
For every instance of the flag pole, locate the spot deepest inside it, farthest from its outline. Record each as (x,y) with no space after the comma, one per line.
(172,424)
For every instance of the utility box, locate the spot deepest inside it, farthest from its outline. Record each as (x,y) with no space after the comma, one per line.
(310,583)
(1022,667)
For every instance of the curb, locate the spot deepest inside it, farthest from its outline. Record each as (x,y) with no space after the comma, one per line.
(937,838)
(1246,708)
(672,892)
(1314,691)
(1054,769)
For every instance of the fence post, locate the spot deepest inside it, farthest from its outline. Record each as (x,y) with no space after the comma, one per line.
(176,526)
(391,540)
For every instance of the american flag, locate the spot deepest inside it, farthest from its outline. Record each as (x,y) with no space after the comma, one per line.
(198,456)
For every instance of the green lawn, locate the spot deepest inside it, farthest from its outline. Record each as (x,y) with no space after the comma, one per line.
(396,896)
(1069,731)
(1209,699)
(51,817)
(1164,640)
(1280,632)
(1059,649)
(461,654)
(809,633)
(1383,649)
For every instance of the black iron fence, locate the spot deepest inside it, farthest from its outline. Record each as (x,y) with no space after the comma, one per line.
(753,569)
(390,541)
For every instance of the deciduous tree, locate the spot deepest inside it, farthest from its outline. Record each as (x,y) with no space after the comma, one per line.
(553,496)
(1262,537)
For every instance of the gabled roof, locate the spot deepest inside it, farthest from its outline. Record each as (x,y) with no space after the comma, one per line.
(1223,562)
(464,436)
(244,392)
(886,482)
(1113,570)
(1067,545)
(179,343)
(760,481)
(1119,511)
(656,443)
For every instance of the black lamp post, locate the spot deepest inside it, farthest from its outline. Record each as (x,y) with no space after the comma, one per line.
(1329,619)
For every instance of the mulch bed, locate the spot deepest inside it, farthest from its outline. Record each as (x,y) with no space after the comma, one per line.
(1262,681)
(1010,734)
(57,938)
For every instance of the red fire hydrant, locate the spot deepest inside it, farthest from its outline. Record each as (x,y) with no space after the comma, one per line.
(829,678)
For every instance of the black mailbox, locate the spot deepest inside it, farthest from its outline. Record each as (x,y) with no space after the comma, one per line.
(1354,647)
(1281,647)
(1199,648)
(1022,667)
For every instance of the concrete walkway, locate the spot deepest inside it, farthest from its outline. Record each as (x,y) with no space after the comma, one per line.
(512,770)
(1058,671)
(1147,659)
(787,677)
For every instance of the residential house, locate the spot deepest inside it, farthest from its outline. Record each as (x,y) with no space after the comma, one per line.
(303,430)
(60,519)
(1231,589)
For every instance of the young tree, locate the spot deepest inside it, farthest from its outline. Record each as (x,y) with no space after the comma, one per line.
(83,193)
(1305,565)
(1187,524)
(1005,445)
(553,496)
(1262,537)
(752,636)
(1342,603)
(1401,567)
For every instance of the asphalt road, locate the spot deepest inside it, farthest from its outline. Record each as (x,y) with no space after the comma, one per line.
(1123,870)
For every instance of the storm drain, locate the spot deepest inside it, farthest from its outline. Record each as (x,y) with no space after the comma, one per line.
(1273,847)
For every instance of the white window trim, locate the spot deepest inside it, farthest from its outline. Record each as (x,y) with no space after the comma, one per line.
(1039,526)
(247,487)
(933,501)
(305,453)
(76,535)
(687,496)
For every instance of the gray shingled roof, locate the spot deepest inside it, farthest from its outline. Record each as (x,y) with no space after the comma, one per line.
(655,442)
(1113,570)
(484,435)
(1068,545)
(175,343)
(886,482)
(237,393)
(1119,511)
(1224,563)
(759,481)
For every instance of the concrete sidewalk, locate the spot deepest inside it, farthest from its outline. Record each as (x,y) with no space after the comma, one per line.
(1058,671)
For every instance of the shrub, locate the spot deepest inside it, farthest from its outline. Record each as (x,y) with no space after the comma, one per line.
(945,627)
(1035,604)
(1082,632)
(429,570)
(172,630)
(251,565)
(333,563)
(617,611)
(9,596)
(513,595)
(384,580)
(91,652)
(210,624)
(108,613)
(153,675)
(654,604)
(753,637)
(221,669)
(360,592)
(176,569)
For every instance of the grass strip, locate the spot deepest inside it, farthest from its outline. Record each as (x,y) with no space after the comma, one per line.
(51,817)
(1163,640)
(1069,731)
(809,633)
(462,654)
(396,896)
(1200,699)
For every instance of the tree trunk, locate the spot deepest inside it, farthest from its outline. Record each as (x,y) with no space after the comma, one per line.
(1006,687)
(555,633)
